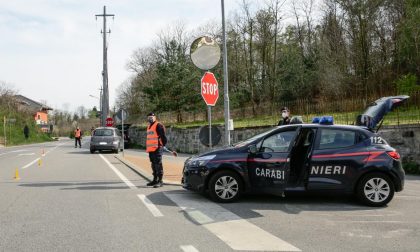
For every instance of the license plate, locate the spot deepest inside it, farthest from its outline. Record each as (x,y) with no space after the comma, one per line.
(102,143)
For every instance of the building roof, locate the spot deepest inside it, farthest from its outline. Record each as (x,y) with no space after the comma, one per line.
(31,103)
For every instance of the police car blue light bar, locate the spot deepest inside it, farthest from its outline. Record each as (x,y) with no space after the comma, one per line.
(315,120)
(326,120)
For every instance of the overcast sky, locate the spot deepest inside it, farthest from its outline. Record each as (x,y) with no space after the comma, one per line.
(52,49)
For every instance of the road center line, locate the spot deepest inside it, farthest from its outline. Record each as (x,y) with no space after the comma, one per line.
(152,208)
(119,174)
(36,160)
(188,248)
(54,148)
(31,163)
(236,232)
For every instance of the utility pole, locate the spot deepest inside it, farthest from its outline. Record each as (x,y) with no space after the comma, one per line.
(105,91)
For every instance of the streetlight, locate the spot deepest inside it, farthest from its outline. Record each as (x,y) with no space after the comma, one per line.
(226,78)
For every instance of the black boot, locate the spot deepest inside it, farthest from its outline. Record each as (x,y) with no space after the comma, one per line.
(159,183)
(153,182)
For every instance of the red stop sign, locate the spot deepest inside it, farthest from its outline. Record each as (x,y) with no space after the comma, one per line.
(209,89)
(109,122)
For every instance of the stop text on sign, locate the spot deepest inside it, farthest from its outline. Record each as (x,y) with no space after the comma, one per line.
(209,88)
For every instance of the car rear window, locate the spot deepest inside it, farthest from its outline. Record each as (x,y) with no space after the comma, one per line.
(333,138)
(103,132)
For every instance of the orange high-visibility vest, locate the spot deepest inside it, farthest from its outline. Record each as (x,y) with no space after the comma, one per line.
(153,141)
(77,133)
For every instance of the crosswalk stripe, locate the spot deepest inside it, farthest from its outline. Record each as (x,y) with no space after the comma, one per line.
(236,232)
(189,248)
(152,208)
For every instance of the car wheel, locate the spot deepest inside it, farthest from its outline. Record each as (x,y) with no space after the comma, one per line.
(116,151)
(92,150)
(225,187)
(375,189)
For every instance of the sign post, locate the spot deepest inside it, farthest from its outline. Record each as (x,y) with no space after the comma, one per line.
(210,94)
(122,115)
(205,54)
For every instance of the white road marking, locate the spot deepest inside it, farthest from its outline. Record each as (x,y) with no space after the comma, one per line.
(36,160)
(1,154)
(31,163)
(188,248)
(410,191)
(53,149)
(407,197)
(384,221)
(26,154)
(236,232)
(119,174)
(152,208)
(17,151)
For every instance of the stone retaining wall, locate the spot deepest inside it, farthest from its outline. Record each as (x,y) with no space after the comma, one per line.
(405,138)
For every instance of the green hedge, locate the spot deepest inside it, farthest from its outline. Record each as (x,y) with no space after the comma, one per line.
(411,168)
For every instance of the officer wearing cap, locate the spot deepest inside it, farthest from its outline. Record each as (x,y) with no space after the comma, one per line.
(285,117)
(155,145)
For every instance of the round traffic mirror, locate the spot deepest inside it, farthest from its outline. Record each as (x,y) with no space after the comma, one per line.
(205,53)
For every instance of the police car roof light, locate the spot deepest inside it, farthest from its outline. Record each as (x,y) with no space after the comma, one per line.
(315,120)
(326,120)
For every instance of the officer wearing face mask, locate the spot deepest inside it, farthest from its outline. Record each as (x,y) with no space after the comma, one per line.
(155,145)
(285,117)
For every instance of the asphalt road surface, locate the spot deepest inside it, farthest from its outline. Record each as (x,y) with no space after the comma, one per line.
(71,200)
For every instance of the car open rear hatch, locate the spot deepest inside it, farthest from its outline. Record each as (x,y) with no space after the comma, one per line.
(375,112)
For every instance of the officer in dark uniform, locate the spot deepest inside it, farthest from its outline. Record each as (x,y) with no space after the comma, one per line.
(155,145)
(285,117)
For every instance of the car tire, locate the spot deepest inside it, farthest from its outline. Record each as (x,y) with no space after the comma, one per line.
(375,189)
(92,151)
(116,151)
(225,187)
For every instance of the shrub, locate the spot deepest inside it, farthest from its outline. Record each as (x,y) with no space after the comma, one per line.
(411,168)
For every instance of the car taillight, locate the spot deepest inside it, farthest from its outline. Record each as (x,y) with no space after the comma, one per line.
(395,155)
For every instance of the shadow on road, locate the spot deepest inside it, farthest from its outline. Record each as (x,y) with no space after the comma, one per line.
(248,206)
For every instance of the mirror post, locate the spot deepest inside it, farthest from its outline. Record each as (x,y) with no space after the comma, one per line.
(225,82)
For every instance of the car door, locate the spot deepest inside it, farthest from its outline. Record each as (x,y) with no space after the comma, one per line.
(337,156)
(269,167)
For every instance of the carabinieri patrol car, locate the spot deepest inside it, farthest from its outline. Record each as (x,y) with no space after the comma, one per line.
(319,156)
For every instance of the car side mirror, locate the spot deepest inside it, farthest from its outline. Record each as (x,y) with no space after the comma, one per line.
(252,149)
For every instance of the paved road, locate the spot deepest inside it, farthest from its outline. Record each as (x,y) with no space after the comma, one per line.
(75,201)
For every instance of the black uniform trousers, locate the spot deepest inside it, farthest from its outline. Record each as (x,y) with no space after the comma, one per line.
(77,140)
(156,160)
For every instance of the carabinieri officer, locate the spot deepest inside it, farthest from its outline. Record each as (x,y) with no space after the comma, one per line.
(155,145)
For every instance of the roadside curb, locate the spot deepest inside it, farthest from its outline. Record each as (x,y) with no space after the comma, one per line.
(140,172)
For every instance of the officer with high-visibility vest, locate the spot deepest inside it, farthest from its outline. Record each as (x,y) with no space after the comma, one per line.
(77,137)
(155,145)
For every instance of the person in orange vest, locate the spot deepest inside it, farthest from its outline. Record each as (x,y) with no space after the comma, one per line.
(77,137)
(155,145)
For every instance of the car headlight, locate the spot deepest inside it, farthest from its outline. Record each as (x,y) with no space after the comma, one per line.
(200,161)
(115,142)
